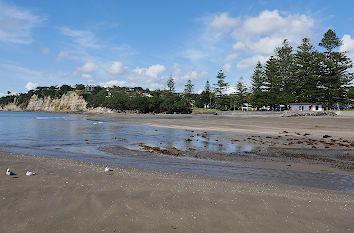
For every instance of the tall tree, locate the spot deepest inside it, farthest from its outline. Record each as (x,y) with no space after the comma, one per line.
(188,89)
(205,98)
(171,84)
(220,87)
(273,82)
(306,73)
(241,93)
(285,58)
(207,86)
(335,71)
(258,84)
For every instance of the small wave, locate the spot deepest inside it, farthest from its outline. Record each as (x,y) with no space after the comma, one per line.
(46,118)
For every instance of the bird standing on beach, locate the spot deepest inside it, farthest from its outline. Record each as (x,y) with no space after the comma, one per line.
(28,173)
(9,173)
(107,169)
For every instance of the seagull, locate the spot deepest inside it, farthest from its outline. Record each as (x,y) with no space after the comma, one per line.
(28,173)
(107,169)
(9,173)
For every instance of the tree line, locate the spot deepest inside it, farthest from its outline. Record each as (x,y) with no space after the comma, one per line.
(289,76)
(304,75)
(121,99)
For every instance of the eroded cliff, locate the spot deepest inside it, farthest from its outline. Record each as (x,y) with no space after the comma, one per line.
(70,102)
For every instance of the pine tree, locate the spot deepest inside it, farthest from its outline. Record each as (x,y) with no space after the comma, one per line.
(221,85)
(306,73)
(285,58)
(188,89)
(258,85)
(207,86)
(208,93)
(220,88)
(241,93)
(335,70)
(171,84)
(273,82)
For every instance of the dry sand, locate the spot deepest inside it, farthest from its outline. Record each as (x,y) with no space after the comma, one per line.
(72,196)
(260,124)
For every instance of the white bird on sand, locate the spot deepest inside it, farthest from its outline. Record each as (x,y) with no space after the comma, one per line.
(107,169)
(28,173)
(9,173)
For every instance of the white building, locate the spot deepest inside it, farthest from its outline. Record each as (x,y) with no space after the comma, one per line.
(306,106)
(89,87)
(246,107)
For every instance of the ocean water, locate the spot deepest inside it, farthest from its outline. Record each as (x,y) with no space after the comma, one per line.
(74,136)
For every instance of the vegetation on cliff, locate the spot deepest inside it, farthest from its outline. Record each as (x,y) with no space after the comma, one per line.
(120,99)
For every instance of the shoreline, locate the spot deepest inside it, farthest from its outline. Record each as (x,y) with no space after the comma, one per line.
(74,196)
(327,141)
(274,146)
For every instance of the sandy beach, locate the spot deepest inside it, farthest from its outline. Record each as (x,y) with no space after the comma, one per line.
(73,196)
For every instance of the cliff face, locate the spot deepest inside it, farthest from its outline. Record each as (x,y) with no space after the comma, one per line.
(70,102)
(11,107)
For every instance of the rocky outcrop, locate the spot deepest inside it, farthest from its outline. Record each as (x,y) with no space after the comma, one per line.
(11,107)
(295,113)
(70,102)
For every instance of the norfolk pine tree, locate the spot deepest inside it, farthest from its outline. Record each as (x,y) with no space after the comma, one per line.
(257,81)
(241,93)
(335,75)
(220,87)
(171,84)
(307,63)
(188,90)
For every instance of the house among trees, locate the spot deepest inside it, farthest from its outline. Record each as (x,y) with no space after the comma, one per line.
(306,106)
(89,87)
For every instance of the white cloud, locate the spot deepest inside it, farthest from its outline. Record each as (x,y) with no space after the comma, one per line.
(16,24)
(251,61)
(31,85)
(267,23)
(2,94)
(46,51)
(348,45)
(226,39)
(266,45)
(227,67)
(88,67)
(81,37)
(87,76)
(155,70)
(231,57)
(182,73)
(238,46)
(194,54)
(116,68)
(150,77)
(114,83)
(258,36)
(223,22)
(152,71)
(62,54)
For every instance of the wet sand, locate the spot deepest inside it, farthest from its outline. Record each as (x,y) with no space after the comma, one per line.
(318,144)
(248,124)
(73,196)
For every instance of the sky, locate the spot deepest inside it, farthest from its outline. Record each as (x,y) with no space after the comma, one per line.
(143,43)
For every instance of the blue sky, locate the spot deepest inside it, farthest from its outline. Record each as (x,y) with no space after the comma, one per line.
(142,43)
